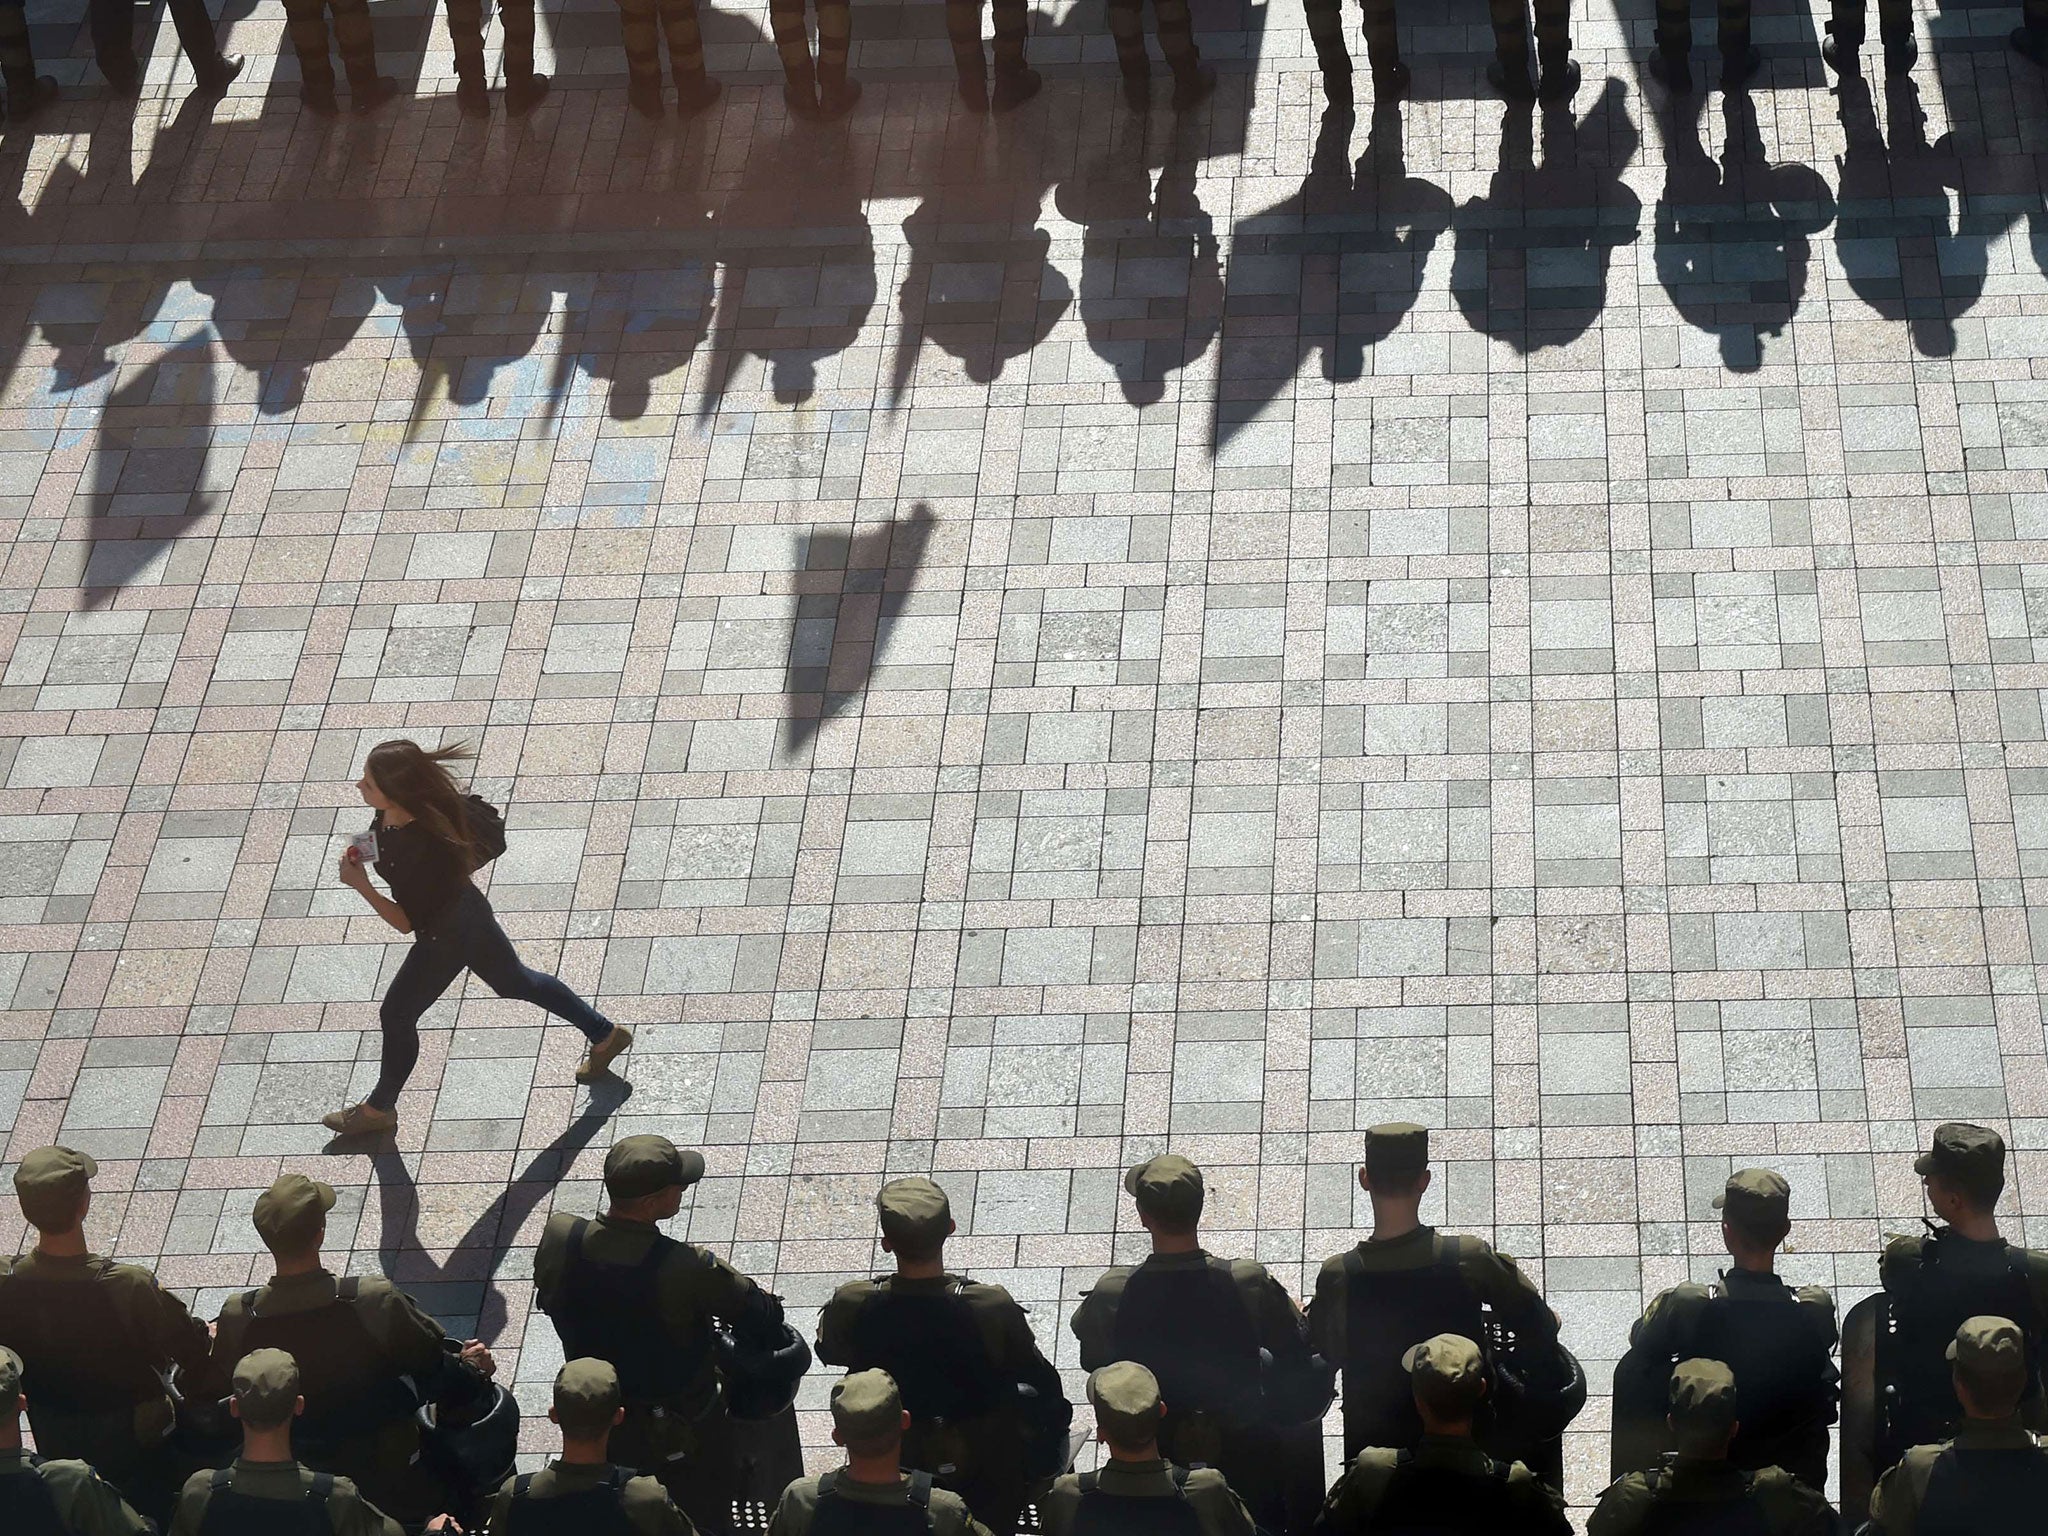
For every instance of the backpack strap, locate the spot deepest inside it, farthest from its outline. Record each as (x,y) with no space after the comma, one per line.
(520,1484)
(1354,1263)
(826,1483)
(919,1492)
(1088,1480)
(223,1479)
(618,1477)
(577,1228)
(322,1489)
(1180,1480)
(348,1288)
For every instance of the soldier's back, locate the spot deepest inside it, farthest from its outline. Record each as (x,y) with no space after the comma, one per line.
(1144,1499)
(61,1498)
(1445,1486)
(1710,1499)
(833,1504)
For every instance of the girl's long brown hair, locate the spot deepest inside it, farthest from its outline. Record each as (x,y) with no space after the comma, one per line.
(411,775)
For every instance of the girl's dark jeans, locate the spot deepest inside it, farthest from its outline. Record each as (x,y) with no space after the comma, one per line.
(468,937)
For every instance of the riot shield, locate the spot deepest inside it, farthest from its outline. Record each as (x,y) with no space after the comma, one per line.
(1862,1406)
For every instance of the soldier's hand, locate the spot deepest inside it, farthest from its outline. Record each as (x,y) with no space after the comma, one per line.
(445,1523)
(474,1353)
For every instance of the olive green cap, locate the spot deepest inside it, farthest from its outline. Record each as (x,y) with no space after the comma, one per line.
(1125,1397)
(1167,1186)
(1398,1149)
(1755,1197)
(10,1378)
(914,1211)
(1971,1157)
(646,1165)
(1990,1350)
(587,1395)
(866,1407)
(1702,1401)
(290,1213)
(50,1182)
(1447,1371)
(266,1385)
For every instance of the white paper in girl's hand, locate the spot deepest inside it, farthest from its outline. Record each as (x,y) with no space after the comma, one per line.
(365,845)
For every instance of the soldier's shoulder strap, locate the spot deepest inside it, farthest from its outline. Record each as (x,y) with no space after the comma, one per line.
(826,1483)
(321,1489)
(223,1478)
(1087,1481)
(348,1288)
(919,1493)
(520,1484)
(1180,1479)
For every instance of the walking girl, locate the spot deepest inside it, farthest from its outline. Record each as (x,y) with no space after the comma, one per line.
(426,840)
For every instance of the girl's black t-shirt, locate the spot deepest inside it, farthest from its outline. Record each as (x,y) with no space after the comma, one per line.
(426,876)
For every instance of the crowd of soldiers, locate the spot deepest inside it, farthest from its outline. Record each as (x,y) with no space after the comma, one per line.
(1208,1384)
(817,84)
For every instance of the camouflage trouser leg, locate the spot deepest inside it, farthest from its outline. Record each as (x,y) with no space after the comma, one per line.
(356,42)
(17,58)
(1732,20)
(305,21)
(466,37)
(1127,30)
(636,33)
(515,41)
(1012,20)
(1326,31)
(1510,32)
(1553,28)
(1847,19)
(685,41)
(1674,28)
(963,31)
(1176,36)
(835,40)
(1382,40)
(792,44)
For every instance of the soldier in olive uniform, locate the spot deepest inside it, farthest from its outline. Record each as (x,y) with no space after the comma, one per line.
(1557,74)
(677,19)
(95,1338)
(1407,1282)
(821,87)
(1962,1269)
(1671,61)
(581,1490)
(871,1495)
(523,88)
(1698,1488)
(958,1351)
(52,1498)
(1991,1475)
(618,1289)
(1390,77)
(1125,1397)
(1779,1341)
(232,1501)
(354,1340)
(1847,20)
(1445,1482)
(305,22)
(1016,82)
(1198,1323)
(1192,79)
(27,92)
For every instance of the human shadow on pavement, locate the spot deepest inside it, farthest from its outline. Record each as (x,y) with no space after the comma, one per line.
(1734,238)
(851,589)
(479,1252)
(1332,269)
(1151,291)
(1893,229)
(1532,254)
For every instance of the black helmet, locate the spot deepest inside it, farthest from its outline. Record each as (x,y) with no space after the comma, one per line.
(479,1451)
(760,1370)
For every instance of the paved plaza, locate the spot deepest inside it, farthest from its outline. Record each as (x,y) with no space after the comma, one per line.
(1009,644)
